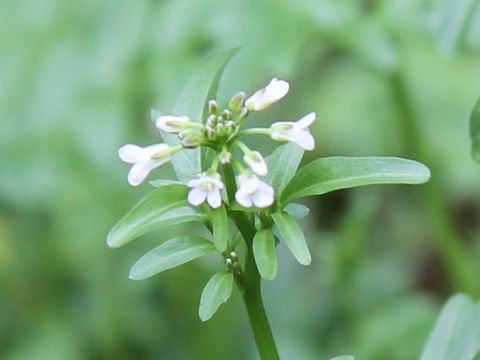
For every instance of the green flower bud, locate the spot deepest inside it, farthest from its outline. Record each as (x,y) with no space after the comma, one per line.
(237,101)
(212,107)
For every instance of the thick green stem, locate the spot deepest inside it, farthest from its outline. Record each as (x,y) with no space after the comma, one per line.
(250,286)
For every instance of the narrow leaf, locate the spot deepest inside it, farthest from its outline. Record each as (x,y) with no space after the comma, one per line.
(146,216)
(220,227)
(201,87)
(298,211)
(475,131)
(328,174)
(264,253)
(282,165)
(172,253)
(454,23)
(344,357)
(456,335)
(293,236)
(216,292)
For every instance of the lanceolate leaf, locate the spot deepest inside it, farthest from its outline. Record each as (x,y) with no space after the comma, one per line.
(328,174)
(282,165)
(147,214)
(220,227)
(216,292)
(456,335)
(201,87)
(172,253)
(344,357)
(264,253)
(293,236)
(475,131)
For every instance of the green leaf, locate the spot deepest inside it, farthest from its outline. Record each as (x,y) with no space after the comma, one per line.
(475,131)
(172,253)
(264,253)
(162,182)
(201,87)
(298,211)
(344,357)
(216,292)
(454,23)
(456,335)
(220,227)
(293,236)
(333,173)
(147,215)
(282,165)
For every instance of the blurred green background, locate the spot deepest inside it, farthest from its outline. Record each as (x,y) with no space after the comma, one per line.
(77,81)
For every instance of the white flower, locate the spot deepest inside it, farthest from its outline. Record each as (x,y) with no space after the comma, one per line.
(256,162)
(173,124)
(144,160)
(207,186)
(253,191)
(295,131)
(271,93)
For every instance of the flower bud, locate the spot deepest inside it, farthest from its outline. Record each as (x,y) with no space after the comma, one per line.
(226,114)
(190,138)
(173,124)
(236,102)
(212,107)
(242,114)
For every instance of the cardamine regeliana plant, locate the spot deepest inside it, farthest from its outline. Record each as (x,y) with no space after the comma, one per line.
(243,201)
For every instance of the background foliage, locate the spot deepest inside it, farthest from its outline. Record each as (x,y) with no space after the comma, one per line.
(77,80)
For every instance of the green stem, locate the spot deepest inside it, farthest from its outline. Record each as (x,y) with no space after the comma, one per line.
(460,268)
(250,287)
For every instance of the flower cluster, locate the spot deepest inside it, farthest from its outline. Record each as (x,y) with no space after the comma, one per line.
(221,132)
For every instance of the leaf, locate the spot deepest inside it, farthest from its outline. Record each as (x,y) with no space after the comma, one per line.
(333,173)
(216,292)
(454,22)
(456,335)
(220,227)
(264,253)
(201,87)
(293,236)
(172,253)
(344,357)
(282,165)
(146,216)
(475,131)
(298,211)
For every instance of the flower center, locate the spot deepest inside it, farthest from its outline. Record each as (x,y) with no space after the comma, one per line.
(208,185)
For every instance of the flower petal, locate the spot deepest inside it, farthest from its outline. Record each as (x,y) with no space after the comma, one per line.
(256,162)
(196,196)
(264,97)
(305,121)
(262,199)
(214,198)
(302,138)
(243,198)
(139,172)
(132,153)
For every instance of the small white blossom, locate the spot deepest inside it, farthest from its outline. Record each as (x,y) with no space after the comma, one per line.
(271,93)
(144,160)
(206,187)
(172,124)
(256,162)
(295,131)
(253,191)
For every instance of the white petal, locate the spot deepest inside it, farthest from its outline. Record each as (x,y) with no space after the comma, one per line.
(195,182)
(196,196)
(305,121)
(138,172)
(256,162)
(155,148)
(214,198)
(262,199)
(215,181)
(248,183)
(276,89)
(254,102)
(243,198)
(132,153)
(302,138)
